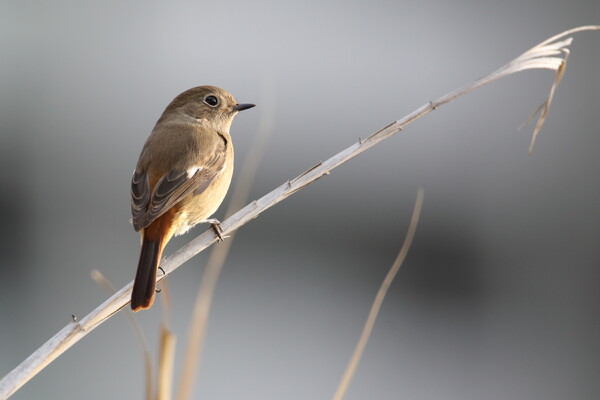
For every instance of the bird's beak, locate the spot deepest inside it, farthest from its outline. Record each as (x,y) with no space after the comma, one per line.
(242,107)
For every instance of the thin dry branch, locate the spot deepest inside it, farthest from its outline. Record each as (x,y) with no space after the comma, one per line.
(165,364)
(548,54)
(387,281)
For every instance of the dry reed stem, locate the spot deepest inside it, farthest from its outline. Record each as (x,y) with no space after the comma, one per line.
(545,55)
(387,281)
(165,364)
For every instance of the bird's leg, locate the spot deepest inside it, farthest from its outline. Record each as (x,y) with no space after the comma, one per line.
(216,225)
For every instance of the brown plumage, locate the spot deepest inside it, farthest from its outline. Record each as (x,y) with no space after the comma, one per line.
(181,177)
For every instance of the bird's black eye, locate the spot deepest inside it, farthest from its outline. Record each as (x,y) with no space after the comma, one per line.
(211,101)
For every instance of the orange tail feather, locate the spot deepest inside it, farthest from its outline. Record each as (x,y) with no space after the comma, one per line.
(155,237)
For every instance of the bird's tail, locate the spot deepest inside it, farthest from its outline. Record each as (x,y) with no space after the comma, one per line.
(144,284)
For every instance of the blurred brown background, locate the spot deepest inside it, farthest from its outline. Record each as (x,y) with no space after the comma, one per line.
(498,297)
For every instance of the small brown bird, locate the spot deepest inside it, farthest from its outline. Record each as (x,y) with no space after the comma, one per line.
(181,177)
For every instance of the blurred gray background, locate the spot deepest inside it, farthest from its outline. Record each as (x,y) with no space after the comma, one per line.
(498,297)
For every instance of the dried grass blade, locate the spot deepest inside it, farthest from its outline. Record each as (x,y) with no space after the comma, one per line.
(370,322)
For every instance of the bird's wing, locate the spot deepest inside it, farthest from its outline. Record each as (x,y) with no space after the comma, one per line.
(147,205)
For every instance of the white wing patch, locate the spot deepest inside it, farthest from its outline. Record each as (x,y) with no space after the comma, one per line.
(192,171)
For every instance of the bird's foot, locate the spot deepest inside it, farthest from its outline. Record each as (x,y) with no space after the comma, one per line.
(216,225)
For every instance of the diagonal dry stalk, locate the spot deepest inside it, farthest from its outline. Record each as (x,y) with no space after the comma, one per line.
(387,281)
(546,55)
(166,360)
